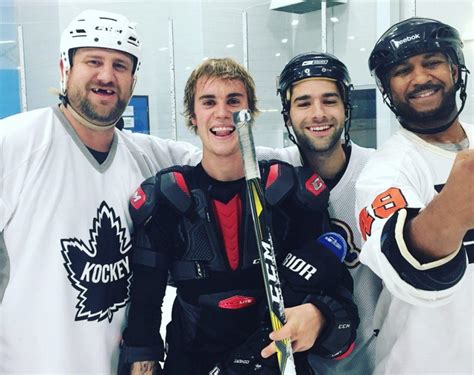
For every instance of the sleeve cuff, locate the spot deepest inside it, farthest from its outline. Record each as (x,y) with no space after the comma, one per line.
(440,274)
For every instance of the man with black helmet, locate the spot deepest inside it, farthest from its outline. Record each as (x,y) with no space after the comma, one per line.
(315,91)
(66,175)
(415,203)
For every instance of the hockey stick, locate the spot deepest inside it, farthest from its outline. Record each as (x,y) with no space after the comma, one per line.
(243,122)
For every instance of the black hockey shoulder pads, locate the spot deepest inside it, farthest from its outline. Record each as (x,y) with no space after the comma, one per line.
(282,181)
(311,190)
(439,275)
(143,202)
(171,185)
(167,187)
(279,181)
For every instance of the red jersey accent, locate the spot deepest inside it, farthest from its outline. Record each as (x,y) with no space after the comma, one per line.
(236,302)
(272,175)
(365,223)
(138,198)
(181,183)
(228,216)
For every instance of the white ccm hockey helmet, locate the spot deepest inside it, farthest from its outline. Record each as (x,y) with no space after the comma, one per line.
(99,29)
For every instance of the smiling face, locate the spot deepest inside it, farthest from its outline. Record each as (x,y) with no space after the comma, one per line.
(317,114)
(215,100)
(423,88)
(100,84)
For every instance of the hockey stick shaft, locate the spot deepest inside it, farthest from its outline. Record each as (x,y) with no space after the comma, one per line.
(243,123)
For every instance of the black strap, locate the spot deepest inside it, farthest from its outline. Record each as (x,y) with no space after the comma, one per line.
(187,270)
(149,258)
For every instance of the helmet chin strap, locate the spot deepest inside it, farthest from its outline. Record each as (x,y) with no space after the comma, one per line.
(81,119)
(87,123)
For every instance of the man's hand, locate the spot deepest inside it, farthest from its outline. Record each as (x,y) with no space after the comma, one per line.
(145,368)
(460,188)
(439,229)
(303,325)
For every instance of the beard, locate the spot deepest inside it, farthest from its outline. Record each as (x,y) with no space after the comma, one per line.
(88,110)
(432,118)
(309,143)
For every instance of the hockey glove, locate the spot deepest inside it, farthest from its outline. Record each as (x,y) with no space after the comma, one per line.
(313,268)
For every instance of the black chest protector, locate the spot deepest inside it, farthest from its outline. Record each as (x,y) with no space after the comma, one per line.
(204,246)
(201,253)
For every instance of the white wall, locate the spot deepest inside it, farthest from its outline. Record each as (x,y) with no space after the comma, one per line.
(205,28)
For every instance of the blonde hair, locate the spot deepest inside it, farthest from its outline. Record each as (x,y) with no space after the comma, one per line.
(223,68)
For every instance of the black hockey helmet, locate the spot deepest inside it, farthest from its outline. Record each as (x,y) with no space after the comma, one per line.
(412,37)
(315,65)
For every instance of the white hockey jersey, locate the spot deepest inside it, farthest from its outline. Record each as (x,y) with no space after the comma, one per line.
(422,332)
(65,239)
(367,285)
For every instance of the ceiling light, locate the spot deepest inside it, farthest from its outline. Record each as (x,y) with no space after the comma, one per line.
(284,40)
(295,22)
(277,54)
(334,19)
(7,41)
(230,45)
(163,49)
(351,37)
(362,49)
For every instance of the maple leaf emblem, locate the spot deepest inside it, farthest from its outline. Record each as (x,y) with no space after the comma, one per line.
(99,270)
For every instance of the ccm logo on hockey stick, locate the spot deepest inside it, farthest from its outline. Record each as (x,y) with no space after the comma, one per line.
(271,271)
(299,266)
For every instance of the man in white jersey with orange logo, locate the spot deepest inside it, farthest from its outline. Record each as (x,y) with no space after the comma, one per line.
(415,204)
(66,174)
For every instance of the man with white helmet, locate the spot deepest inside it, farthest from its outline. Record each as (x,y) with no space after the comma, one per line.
(66,174)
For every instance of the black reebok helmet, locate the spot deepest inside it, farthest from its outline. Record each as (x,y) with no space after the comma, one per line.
(317,65)
(412,37)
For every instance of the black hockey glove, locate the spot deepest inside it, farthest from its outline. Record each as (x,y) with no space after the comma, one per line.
(342,319)
(314,268)
(246,359)
(316,274)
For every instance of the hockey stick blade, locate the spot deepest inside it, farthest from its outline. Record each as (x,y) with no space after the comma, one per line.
(243,122)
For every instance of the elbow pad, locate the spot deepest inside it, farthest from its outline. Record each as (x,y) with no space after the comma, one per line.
(342,319)
(438,275)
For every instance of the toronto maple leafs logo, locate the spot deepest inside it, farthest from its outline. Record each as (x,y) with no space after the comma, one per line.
(99,270)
